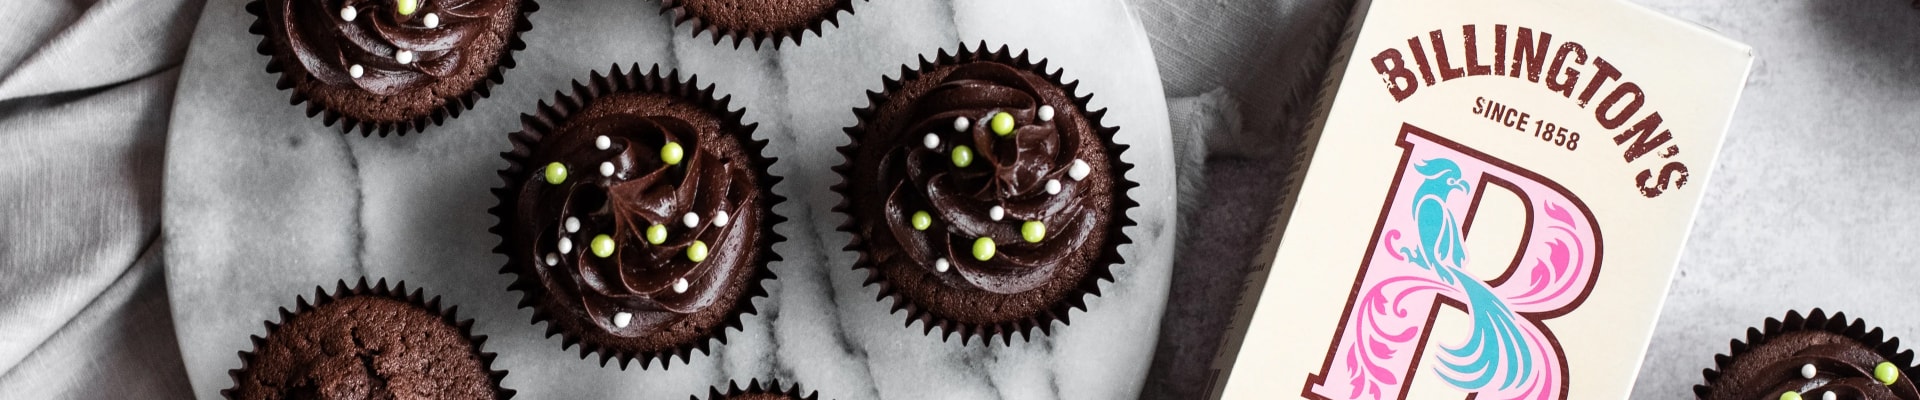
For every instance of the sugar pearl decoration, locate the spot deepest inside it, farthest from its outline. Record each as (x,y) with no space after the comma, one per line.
(1807,371)
(1079,169)
(1045,113)
(691,220)
(606,168)
(431,20)
(1829,396)
(403,57)
(997,213)
(602,142)
(566,245)
(573,224)
(356,71)
(553,259)
(932,141)
(960,124)
(721,218)
(349,13)
(1053,186)
(622,319)
(941,265)
(680,285)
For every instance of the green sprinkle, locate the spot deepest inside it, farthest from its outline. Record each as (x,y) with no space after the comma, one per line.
(602,246)
(922,220)
(1790,395)
(962,156)
(407,7)
(672,154)
(1886,373)
(1033,231)
(556,173)
(657,234)
(983,249)
(697,251)
(1002,123)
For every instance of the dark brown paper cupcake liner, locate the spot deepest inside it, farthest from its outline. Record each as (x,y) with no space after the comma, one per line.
(536,126)
(677,8)
(1101,269)
(772,387)
(417,298)
(452,107)
(1817,320)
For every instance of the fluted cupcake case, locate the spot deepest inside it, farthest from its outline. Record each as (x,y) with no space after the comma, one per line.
(384,66)
(380,362)
(1812,357)
(639,273)
(756,21)
(755,390)
(957,295)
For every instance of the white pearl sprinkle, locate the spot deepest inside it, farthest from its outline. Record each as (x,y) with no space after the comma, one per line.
(960,124)
(1829,396)
(691,220)
(1807,371)
(1053,186)
(356,71)
(606,168)
(721,218)
(680,285)
(566,245)
(553,259)
(940,265)
(431,20)
(602,142)
(349,13)
(404,57)
(1079,169)
(932,141)
(621,320)
(1046,113)
(997,213)
(573,224)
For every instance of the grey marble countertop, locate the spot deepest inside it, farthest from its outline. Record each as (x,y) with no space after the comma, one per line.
(263,204)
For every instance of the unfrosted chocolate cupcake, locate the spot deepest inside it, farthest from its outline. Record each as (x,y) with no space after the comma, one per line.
(983,196)
(1815,357)
(638,216)
(389,66)
(367,343)
(772,390)
(756,20)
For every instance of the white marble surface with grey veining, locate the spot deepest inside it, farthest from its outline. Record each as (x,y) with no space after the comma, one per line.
(262,203)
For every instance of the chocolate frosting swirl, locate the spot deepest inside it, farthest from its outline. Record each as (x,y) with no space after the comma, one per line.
(327,45)
(1012,172)
(643,191)
(1842,365)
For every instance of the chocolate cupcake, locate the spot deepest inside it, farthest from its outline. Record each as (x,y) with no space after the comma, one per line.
(389,66)
(773,390)
(759,20)
(638,216)
(983,196)
(367,343)
(1815,357)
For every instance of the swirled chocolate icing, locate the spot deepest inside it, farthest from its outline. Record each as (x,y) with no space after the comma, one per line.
(643,296)
(1842,365)
(319,48)
(898,171)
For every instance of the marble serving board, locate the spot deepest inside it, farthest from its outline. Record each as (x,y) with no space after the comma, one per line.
(263,204)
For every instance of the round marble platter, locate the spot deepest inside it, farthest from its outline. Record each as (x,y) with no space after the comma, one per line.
(263,204)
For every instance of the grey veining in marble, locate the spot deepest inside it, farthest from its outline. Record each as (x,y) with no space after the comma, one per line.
(263,204)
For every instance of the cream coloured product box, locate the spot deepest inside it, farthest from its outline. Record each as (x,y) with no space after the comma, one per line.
(1490,204)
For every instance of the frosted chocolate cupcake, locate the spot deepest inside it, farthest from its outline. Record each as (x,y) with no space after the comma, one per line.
(772,390)
(367,343)
(638,216)
(756,20)
(1815,357)
(983,196)
(389,66)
